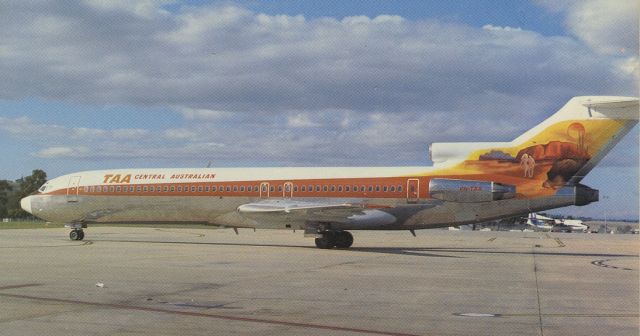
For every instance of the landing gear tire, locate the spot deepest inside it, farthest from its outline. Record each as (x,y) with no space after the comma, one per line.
(327,241)
(343,239)
(76,235)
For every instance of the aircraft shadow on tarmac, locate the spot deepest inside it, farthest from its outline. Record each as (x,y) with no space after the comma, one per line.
(420,251)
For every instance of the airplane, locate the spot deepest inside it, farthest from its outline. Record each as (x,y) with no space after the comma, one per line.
(540,223)
(468,183)
(570,225)
(547,223)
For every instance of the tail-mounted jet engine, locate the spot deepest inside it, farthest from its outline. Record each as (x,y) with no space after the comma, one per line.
(469,191)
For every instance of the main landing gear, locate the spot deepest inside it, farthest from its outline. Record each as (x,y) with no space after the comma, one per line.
(76,234)
(331,239)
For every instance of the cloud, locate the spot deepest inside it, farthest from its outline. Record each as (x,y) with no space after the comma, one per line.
(63,152)
(204,114)
(290,90)
(130,133)
(227,58)
(498,28)
(181,133)
(607,27)
(141,8)
(301,120)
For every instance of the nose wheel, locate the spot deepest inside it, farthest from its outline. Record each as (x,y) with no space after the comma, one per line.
(76,235)
(331,239)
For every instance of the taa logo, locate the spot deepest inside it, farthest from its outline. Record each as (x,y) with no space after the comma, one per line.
(110,178)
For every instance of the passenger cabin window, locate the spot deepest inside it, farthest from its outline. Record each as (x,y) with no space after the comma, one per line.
(166,189)
(200,189)
(325,188)
(173,189)
(206,189)
(249,189)
(393,188)
(384,189)
(235,188)
(280,188)
(399,188)
(213,189)
(295,188)
(112,189)
(340,188)
(362,189)
(228,188)
(151,189)
(333,188)
(370,188)
(317,188)
(303,188)
(193,189)
(118,189)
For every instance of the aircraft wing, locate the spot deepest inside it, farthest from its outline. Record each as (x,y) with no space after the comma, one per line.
(292,210)
(311,211)
(289,206)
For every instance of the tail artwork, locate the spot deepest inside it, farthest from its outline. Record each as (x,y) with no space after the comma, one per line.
(558,152)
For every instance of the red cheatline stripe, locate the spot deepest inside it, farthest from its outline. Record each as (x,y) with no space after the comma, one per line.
(196,314)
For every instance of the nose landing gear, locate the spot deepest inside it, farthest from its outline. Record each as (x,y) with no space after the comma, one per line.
(331,239)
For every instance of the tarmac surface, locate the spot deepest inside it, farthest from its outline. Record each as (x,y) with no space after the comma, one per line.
(167,281)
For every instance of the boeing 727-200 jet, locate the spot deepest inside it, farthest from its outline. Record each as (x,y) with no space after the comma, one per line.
(468,183)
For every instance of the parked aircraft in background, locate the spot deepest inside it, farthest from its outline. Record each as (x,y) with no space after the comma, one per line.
(469,183)
(540,223)
(556,224)
(571,225)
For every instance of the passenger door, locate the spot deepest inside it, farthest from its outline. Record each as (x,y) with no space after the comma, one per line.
(413,190)
(264,190)
(287,192)
(73,189)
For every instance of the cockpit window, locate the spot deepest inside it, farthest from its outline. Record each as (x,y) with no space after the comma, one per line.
(43,188)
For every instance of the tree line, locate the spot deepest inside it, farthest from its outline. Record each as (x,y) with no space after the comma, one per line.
(11,192)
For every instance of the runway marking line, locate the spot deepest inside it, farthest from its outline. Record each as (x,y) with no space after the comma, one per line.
(196,314)
(570,315)
(20,286)
(603,263)
(559,242)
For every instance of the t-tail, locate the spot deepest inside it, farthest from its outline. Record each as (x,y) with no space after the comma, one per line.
(552,157)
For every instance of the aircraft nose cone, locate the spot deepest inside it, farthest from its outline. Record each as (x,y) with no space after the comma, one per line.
(25,203)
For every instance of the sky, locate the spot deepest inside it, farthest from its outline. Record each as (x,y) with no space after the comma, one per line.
(123,84)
